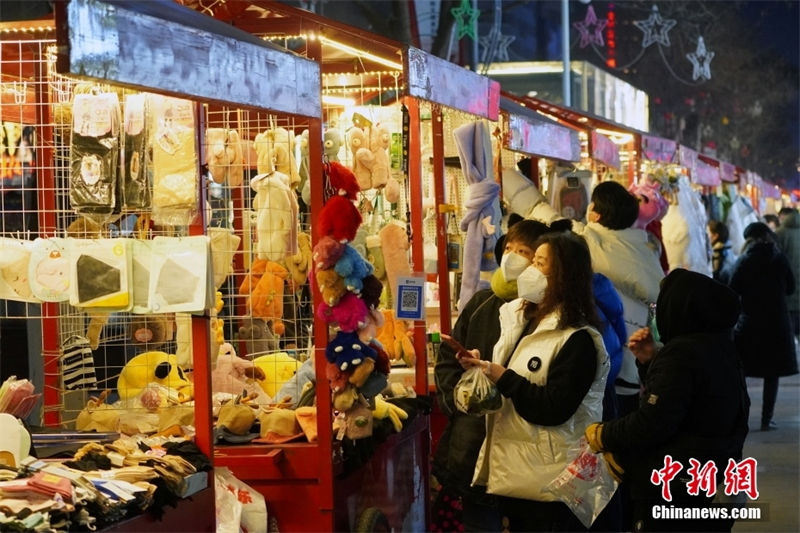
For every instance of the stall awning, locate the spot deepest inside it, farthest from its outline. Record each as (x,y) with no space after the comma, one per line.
(604,150)
(727,172)
(440,81)
(533,134)
(706,171)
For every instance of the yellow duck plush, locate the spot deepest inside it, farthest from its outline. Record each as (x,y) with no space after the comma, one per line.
(153,367)
(278,368)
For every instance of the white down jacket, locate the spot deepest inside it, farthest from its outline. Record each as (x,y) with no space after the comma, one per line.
(517,458)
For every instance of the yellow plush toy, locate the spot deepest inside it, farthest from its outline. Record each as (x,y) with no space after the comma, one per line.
(154,367)
(278,368)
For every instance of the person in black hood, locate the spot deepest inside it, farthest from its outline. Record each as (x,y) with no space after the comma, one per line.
(694,403)
(763,278)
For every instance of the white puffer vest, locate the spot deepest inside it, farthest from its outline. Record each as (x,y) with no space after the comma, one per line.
(519,459)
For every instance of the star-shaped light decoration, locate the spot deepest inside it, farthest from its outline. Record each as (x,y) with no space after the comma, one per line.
(591,29)
(655,28)
(701,61)
(501,49)
(465,19)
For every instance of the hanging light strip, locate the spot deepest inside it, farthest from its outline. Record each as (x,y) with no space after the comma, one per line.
(29,29)
(360,53)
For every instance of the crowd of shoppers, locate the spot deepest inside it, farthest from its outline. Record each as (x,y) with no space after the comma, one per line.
(550,332)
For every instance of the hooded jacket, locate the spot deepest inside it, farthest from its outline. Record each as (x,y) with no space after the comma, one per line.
(695,402)
(788,237)
(763,278)
(520,458)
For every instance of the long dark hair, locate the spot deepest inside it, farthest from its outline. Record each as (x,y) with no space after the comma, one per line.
(569,285)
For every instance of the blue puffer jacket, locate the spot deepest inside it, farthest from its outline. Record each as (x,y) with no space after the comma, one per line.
(609,308)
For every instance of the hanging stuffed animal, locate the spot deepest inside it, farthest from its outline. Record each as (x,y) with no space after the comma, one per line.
(362,158)
(276,216)
(652,208)
(263,287)
(216,155)
(332,142)
(395,245)
(298,264)
(275,150)
(379,142)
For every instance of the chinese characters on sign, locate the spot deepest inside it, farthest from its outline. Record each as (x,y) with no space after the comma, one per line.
(738,477)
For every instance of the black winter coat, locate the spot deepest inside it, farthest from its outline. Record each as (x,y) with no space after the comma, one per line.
(478,326)
(763,278)
(694,403)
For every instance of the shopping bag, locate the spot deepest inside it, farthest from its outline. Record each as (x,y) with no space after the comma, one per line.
(585,485)
(253,514)
(475,394)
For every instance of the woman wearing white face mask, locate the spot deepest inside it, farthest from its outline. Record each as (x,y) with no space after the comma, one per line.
(550,365)
(477,327)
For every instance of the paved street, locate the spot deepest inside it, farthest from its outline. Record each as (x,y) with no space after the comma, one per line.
(778,455)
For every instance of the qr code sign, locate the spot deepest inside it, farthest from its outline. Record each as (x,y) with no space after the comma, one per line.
(409,299)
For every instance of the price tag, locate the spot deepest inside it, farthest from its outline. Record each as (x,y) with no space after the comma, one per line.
(410,298)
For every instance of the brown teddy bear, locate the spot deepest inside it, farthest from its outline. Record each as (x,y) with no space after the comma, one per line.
(331,286)
(258,336)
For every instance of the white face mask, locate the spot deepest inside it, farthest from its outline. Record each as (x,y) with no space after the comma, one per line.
(512,264)
(532,284)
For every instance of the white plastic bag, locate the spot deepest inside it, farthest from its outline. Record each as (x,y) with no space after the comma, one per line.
(248,509)
(475,394)
(585,485)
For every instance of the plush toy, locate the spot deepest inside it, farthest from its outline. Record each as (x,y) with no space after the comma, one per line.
(337,378)
(327,252)
(361,372)
(216,155)
(375,255)
(151,330)
(153,367)
(363,158)
(301,142)
(371,292)
(299,263)
(652,206)
(383,364)
(263,287)
(343,181)
(339,219)
(379,142)
(332,141)
(235,150)
(359,242)
(278,368)
(353,268)
(84,228)
(236,416)
(276,210)
(372,322)
(345,398)
(392,191)
(330,285)
(403,345)
(395,245)
(258,337)
(235,375)
(346,350)
(384,409)
(350,314)
(275,149)
(385,333)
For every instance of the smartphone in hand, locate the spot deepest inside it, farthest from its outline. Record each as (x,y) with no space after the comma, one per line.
(455,345)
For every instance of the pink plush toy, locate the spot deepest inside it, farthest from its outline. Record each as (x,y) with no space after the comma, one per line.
(350,314)
(652,206)
(394,242)
(327,252)
(232,373)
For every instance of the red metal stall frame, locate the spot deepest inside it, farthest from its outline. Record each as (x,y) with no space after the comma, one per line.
(273,19)
(590,124)
(71,62)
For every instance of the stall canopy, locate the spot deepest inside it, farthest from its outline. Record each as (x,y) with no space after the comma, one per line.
(658,149)
(532,133)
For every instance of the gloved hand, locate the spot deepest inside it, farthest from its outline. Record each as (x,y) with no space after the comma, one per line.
(617,472)
(384,409)
(594,436)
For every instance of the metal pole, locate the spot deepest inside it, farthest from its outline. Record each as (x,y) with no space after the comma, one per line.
(566,86)
(474,62)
